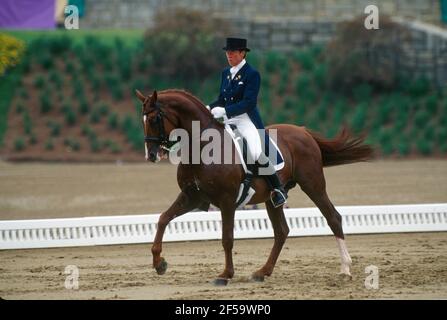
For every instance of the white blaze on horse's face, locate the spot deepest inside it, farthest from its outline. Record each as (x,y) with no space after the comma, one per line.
(145,143)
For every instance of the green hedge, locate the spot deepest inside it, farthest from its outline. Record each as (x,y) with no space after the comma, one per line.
(294,89)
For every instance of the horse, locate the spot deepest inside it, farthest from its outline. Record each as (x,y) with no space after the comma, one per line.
(305,154)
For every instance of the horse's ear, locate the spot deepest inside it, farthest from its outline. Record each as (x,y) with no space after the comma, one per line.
(140,95)
(153,98)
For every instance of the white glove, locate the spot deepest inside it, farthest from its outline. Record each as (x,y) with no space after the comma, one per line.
(208,107)
(218,112)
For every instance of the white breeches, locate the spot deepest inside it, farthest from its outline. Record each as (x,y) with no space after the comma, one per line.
(249,132)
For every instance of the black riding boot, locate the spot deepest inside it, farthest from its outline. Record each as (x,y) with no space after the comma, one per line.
(278,196)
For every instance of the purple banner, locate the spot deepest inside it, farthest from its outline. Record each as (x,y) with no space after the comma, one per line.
(27,14)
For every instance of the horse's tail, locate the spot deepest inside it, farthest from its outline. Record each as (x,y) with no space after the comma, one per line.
(343,149)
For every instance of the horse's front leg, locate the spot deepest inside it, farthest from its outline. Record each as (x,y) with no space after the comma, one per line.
(183,204)
(227,243)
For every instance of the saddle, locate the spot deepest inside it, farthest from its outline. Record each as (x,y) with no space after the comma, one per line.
(246,192)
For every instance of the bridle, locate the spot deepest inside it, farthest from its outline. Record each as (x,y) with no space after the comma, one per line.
(162,140)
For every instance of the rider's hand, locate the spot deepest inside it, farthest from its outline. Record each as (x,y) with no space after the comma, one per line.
(218,112)
(208,107)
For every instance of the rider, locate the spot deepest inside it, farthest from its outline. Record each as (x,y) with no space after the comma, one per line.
(237,104)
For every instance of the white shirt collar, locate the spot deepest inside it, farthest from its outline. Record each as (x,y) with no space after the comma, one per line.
(236,69)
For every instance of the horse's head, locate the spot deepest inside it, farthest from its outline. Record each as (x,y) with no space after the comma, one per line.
(156,126)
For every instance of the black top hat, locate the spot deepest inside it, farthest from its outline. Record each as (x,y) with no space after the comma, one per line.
(236,44)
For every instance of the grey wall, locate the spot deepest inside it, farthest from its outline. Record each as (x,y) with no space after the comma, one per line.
(138,13)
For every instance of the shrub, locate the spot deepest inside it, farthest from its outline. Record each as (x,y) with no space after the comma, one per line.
(27,124)
(429,133)
(357,55)
(289,103)
(362,92)
(443,147)
(32,139)
(11,50)
(56,78)
(384,136)
(23,93)
(441,134)
(117,92)
(95,116)
(283,81)
(302,84)
(69,67)
(301,112)
(432,103)
(424,147)
(359,118)
(127,123)
(49,145)
(19,144)
(70,116)
(78,89)
(418,87)
(86,129)
(45,60)
(322,112)
(45,104)
(112,121)
(103,109)
(320,75)
(60,44)
(39,81)
(274,61)
(305,59)
(95,145)
(114,147)
(124,62)
(55,128)
(387,148)
(421,118)
(178,37)
(75,145)
(84,107)
(96,83)
(383,113)
(72,143)
(20,108)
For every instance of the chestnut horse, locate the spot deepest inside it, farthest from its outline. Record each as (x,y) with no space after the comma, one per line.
(305,154)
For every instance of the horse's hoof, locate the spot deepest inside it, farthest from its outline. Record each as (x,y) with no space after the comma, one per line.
(257,278)
(220,282)
(345,276)
(162,267)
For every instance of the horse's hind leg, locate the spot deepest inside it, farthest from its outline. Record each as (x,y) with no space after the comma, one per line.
(183,204)
(316,190)
(280,230)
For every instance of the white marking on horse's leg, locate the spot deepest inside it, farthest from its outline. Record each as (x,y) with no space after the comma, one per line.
(346,260)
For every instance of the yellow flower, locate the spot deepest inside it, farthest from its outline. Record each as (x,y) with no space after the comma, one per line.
(10,51)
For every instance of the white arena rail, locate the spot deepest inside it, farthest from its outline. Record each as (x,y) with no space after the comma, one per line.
(21,234)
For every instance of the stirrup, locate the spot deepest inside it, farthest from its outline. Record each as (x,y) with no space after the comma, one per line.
(278,198)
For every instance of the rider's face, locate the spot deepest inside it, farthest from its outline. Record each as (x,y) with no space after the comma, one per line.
(234,57)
